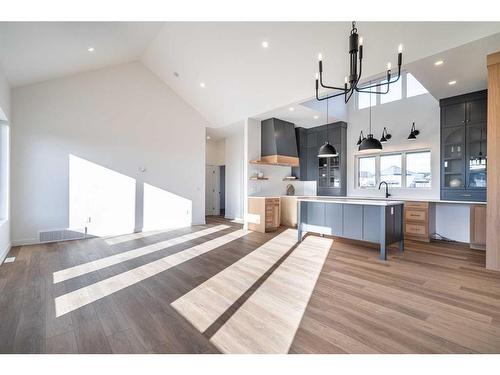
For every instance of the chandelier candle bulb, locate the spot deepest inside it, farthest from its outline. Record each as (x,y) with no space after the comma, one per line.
(389,66)
(360,41)
(400,48)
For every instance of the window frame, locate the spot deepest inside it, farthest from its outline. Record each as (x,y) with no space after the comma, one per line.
(377,156)
(378,97)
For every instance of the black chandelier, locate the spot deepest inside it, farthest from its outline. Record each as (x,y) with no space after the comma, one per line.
(352,81)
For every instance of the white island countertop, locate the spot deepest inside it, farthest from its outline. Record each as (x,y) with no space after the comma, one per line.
(371,202)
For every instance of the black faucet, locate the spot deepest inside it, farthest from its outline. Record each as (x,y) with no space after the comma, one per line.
(387,195)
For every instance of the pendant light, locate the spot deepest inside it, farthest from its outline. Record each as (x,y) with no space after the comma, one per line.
(370,143)
(385,136)
(413,133)
(327,150)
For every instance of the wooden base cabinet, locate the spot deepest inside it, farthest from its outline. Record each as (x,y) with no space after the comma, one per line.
(289,211)
(478,226)
(263,214)
(419,221)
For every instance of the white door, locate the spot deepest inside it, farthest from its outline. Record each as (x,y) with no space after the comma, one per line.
(212,190)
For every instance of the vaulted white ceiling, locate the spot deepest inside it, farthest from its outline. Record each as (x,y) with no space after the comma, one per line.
(242,79)
(37,51)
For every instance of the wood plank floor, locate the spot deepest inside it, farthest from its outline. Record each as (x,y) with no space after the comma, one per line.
(209,289)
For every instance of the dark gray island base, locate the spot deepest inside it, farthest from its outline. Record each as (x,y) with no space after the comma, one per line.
(365,220)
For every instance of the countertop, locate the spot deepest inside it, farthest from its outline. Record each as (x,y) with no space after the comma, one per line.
(371,198)
(369,202)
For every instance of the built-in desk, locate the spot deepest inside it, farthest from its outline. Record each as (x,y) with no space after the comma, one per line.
(377,221)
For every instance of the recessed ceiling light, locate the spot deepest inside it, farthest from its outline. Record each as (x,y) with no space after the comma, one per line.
(316,117)
(265,44)
(91,49)
(452,82)
(439,62)
(291,109)
(202,85)
(208,137)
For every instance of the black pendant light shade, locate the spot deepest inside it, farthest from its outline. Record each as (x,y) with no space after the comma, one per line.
(413,133)
(327,151)
(385,136)
(370,144)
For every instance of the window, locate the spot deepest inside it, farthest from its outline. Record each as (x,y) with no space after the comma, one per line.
(366,172)
(390,169)
(406,87)
(364,100)
(413,87)
(395,92)
(418,169)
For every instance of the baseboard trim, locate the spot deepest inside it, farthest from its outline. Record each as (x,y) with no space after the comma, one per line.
(4,252)
(25,242)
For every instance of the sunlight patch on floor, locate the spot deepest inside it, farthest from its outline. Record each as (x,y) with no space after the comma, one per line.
(205,303)
(95,265)
(83,296)
(134,236)
(268,320)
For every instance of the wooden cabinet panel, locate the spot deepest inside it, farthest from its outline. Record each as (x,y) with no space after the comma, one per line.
(263,214)
(288,211)
(423,205)
(478,227)
(417,219)
(416,215)
(416,229)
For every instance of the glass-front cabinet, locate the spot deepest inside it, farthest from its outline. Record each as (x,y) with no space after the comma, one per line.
(453,150)
(463,147)
(476,156)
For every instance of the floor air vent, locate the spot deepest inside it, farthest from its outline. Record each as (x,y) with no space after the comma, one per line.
(61,235)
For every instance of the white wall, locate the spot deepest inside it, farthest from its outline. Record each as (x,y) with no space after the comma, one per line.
(235,174)
(122,118)
(4,167)
(397,117)
(215,153)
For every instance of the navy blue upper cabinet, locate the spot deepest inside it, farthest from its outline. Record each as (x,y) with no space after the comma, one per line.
(463,147)
(329,173)
(453,115)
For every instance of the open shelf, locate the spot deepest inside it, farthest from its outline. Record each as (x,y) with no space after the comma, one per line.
(272,164)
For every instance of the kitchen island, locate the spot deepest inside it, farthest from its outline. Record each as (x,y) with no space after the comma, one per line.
(376,221)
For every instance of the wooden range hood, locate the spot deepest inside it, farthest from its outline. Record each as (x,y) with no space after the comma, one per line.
(278,144)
